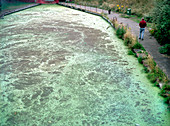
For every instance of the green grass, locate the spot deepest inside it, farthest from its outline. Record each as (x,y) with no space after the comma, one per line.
(132,17)
(136,19)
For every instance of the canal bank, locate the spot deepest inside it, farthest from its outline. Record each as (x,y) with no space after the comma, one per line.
(66,67)
(157,74)
(150,43)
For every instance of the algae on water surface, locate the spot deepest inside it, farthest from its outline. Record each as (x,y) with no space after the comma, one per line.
(63,67)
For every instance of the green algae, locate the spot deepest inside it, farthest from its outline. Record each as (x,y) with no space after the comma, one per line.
(63,67)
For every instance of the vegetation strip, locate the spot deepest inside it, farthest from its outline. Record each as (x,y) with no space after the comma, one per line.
(155,74)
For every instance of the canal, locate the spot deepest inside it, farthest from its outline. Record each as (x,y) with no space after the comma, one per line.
(62,67)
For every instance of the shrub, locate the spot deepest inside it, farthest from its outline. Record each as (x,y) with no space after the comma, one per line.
(152,77)
(130,52)
(148,19)
(165,49)
(146,70)
(129,39)
(120,32)
(152,32)
(100,2)
(105,5)
(166,93)
(166,87)
(166,100)
(161,16)
(156,84)
(163,92)
(140,60)
(150,62)
(138,46)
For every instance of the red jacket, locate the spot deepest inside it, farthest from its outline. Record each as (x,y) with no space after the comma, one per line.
(142,24)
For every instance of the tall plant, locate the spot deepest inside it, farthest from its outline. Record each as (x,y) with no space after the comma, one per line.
(161,16)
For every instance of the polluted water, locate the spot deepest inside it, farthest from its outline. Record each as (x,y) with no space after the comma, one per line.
(63,67)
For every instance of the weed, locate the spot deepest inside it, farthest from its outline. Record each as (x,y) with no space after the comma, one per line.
(152,31)
(120,32)
(150,62)
(163,92)
(127,41)
(140,60)
(138,46)
(146,70)
(152,77)
(156,84)
(166,87)
(130,52)
(161,75)
(167,99)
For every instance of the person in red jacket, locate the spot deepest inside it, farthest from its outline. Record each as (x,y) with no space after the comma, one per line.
(142,25)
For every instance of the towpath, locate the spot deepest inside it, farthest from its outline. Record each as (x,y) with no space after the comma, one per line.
(149,42)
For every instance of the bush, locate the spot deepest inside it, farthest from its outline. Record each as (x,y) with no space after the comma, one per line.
(152,77)
(148,19)
(100,2)
(165,49)
(161,16)
(138,46)
(152,32)
(166,87)
(120,32)
(130,52)
(156,84)
(140,60)
(127,41)
(167,99)
(146,70)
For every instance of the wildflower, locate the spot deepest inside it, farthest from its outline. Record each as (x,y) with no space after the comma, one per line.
(122,6)
(117,5)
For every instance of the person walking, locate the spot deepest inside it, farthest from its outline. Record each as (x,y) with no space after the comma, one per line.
(142,25)
(109,11)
